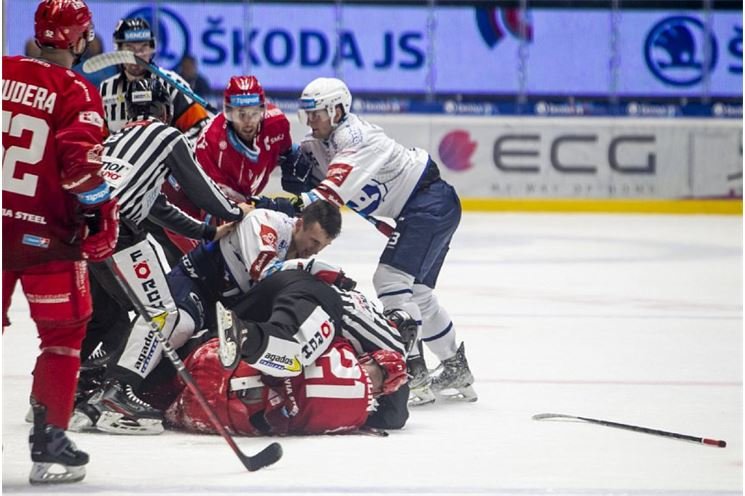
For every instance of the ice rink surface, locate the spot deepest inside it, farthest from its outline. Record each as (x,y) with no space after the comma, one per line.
(635,319)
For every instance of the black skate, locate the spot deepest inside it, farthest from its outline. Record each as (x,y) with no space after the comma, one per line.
(453,378)
(56,459)
(420,393)
(229,347)
(123,412)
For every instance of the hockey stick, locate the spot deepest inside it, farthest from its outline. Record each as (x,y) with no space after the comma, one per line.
(104,60)
(263,458)
(385,228)
(635,428)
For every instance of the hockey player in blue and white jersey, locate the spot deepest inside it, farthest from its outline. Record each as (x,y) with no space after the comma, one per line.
(351,162)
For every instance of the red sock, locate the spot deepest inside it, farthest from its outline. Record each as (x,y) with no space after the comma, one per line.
(55,381)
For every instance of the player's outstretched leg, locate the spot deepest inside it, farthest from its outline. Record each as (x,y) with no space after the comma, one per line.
(453,378)
(56,459)
(123,412)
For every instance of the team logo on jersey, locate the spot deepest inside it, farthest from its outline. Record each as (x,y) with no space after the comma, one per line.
(676,51)
(338,173)
(173,36)
(268,236)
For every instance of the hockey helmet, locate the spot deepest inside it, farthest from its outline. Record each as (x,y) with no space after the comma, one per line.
(393,365)
(243,91)
(133,30)
(324,94)
(62,23)
(147,97)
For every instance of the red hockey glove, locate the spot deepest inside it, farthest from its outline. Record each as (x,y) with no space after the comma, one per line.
(103,225)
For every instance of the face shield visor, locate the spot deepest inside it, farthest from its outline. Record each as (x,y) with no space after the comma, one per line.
(244,108)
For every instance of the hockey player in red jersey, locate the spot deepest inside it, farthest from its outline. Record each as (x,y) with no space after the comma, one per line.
(241,147)
(56,212)
(335,394)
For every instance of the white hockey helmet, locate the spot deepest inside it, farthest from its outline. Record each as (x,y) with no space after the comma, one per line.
(324,93)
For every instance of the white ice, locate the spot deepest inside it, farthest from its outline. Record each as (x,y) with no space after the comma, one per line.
(635,319)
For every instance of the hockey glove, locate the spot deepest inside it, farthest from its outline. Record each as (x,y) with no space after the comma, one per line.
(288,206)
(296,168)
(103,226)
(330,274)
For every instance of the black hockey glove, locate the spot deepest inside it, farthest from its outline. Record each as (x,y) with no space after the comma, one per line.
(288,206)
(296,171)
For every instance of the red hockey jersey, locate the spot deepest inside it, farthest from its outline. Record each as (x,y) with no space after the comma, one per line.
(331,396)
(222,160)
(52,135)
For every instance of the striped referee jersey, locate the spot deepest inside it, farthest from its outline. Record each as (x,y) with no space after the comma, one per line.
(365,326)
(137,160)
(188,116)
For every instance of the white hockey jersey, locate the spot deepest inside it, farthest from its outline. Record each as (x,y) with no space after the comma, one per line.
(364,169)
(257,246)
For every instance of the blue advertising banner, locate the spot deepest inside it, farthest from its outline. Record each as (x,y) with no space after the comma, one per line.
(448,49)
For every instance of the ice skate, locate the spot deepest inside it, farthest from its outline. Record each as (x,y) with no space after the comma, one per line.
(420,393)
(84,417)
(56,459)
(123,412)
(453,379)
(228,349)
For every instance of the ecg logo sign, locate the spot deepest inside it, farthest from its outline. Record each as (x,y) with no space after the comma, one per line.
(678,52)
(494,23)
(172,36)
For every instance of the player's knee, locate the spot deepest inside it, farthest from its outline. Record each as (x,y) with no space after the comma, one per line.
(62,338)
(425,299)
(392,286)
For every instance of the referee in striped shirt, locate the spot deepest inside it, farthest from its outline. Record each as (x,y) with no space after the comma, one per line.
(137,161)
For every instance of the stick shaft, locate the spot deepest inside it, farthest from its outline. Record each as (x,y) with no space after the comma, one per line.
(635,428)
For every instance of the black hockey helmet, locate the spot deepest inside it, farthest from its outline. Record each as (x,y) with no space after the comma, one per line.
(133,29)
(148,97)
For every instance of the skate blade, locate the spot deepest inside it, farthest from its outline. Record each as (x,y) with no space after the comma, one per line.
(464,394)
(29,418)
(55,473)
(80,422)
(227,350)
(116,423)
(421,397)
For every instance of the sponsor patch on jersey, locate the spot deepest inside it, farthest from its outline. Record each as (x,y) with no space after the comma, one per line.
(94,154)
(91,117)
(280,362)
(142,96)
(268,236)
(35,241)
(338,173)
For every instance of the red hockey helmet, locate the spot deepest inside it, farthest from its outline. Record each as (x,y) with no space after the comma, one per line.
(393,365)
(61,23)
(243,91)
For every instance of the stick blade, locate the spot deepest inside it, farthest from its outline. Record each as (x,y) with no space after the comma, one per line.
(104,60)
(551,416)
(268,456)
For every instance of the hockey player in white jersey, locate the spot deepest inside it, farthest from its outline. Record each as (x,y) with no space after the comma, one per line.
(354,163)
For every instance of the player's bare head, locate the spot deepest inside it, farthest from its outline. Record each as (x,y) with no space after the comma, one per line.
(134,35)
(386,369)
(244,105)
(324,103)
(148,98)
(318,226)
(63,25)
